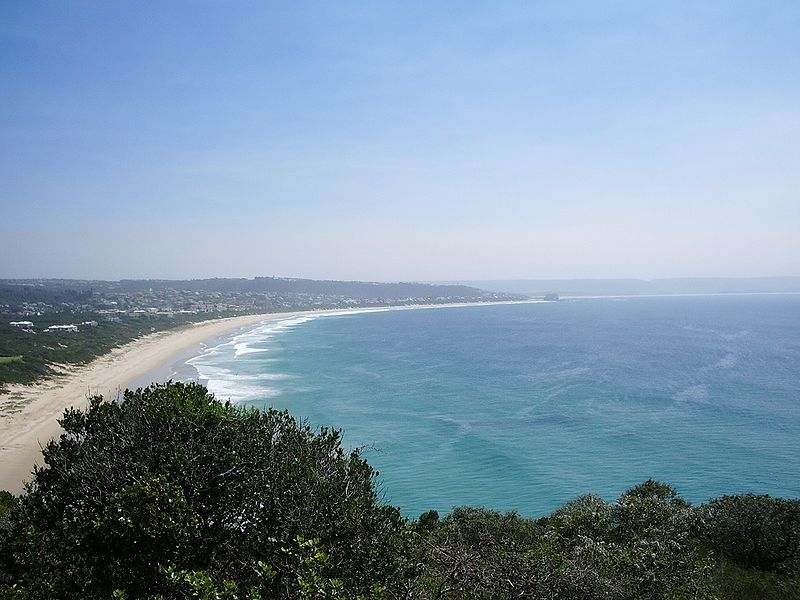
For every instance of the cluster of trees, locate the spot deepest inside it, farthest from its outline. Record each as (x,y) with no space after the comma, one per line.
(15,295)
(170,494)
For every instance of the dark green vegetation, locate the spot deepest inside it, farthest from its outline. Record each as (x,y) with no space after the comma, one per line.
(170,478)
(171,494)
(27,356)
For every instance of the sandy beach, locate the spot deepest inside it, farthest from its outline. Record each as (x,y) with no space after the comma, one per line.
(33,419)
(24,432)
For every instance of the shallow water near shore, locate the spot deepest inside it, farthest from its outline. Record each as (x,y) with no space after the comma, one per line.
(523,407)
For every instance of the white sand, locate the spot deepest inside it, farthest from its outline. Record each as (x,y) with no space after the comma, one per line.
(24,433)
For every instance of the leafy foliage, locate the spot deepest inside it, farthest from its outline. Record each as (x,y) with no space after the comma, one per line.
(756,532)
(169,477)
(478,553)
(168,494)
(638,547)
(8,502)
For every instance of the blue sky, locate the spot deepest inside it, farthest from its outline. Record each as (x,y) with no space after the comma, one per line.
(407,140)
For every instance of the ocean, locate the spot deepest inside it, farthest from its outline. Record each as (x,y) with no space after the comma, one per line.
(525,406)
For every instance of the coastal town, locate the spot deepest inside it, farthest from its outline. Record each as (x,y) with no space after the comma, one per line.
(48,323)
(111,301)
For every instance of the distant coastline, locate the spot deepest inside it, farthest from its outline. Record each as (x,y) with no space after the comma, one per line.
(178,368)
(39,406)
(151,358)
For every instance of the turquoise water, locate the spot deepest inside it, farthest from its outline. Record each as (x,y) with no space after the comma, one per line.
(523,407)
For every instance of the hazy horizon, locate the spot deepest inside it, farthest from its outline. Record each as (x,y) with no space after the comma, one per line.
(400,141)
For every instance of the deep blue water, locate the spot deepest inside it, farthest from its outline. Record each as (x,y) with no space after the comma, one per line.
(523,407)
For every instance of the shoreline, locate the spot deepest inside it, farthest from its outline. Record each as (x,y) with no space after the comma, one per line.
(172,369)
(24,433)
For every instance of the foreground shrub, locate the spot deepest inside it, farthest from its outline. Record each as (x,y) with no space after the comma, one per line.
(756,532)
(479,553)
(639,547)
(171,495)
(170,478)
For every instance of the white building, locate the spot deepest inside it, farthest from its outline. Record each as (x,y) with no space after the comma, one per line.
(57,328)
(21,324)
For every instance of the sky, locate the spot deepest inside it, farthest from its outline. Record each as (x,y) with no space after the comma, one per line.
(399,140)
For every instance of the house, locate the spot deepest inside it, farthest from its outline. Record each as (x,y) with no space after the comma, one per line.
(58,328)
(21,324)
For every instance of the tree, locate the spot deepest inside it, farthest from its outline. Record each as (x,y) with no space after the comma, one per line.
(170,478)
(168,494)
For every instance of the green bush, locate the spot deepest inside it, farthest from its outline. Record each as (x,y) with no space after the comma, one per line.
(482,554)
(756,532)
(170,477)
(638,547)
